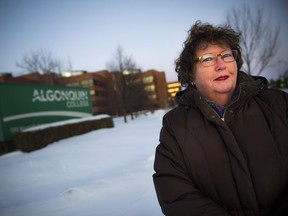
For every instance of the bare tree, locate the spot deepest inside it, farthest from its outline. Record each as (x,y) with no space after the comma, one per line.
(136,98)
(123,66)
(121,62)
(42,61)
(259,39)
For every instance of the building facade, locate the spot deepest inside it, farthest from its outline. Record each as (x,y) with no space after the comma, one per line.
(99,84)
(155,86)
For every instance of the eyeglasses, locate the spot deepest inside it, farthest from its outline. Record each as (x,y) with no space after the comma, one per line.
(210,59)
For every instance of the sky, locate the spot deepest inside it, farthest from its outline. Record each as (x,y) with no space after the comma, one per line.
(86,33)
(90,174)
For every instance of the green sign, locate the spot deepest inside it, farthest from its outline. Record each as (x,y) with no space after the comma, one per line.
(23,106)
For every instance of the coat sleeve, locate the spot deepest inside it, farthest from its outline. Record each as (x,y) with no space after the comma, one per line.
(281,205)
(177,195)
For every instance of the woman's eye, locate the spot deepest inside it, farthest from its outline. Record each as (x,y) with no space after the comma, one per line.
(226,55)
(208,58)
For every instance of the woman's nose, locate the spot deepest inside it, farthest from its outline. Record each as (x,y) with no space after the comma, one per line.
(220,63)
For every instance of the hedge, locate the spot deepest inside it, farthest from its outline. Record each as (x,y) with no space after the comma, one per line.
(28,141)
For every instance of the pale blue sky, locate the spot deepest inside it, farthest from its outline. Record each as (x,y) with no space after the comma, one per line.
(88,31)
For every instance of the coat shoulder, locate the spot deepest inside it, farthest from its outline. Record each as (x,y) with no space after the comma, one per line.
(274,97)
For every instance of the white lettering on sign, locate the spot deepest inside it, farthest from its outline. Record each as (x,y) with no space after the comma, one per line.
(72,104)
(73,98)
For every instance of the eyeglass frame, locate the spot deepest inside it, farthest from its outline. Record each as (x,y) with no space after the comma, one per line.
(233,52)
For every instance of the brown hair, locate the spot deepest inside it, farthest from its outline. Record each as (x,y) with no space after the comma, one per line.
(199,36)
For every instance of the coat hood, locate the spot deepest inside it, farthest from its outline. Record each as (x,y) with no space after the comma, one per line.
(249,86)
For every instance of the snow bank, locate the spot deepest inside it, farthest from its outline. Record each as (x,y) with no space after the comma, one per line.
(107,172)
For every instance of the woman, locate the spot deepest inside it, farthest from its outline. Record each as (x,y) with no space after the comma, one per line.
(224,149)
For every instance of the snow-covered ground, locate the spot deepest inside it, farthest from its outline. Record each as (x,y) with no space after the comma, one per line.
(106,172)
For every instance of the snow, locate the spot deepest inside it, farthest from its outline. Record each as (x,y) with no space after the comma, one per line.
(69,121)
(106,172)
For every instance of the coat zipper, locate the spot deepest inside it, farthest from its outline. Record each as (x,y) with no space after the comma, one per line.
(223,118)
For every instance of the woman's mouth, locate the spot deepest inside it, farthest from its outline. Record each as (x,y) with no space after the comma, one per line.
(221,78)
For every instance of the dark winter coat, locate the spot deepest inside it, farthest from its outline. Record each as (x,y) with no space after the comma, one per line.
(236,166)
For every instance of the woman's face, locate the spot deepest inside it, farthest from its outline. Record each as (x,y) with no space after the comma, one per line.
(218,80)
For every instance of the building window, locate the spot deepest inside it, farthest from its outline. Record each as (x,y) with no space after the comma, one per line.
(152,97)
(73,84)
(87,83)
(171,90)
(150,88)
(173,85)
(148,79)
(92,92)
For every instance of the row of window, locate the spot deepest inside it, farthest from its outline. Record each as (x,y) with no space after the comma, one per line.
(152,97)
(148,79)
(150,88)
(174,85)
(172,90)
(88,83)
